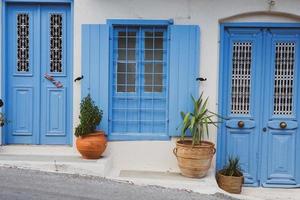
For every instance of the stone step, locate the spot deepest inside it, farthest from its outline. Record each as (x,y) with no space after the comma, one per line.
(53,159)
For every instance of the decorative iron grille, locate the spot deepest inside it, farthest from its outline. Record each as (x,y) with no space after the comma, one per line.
(284,78)
(23,42)
(241,77)
(56,43)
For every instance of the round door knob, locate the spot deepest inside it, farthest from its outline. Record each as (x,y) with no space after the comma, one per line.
(241,124)
(283,125)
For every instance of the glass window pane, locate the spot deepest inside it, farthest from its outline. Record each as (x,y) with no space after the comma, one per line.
(131,55)
(148,79)
(149,43)
(158,43)
(148,68)
(158,68)
(122,34)
(130,88)
(148,34)
(158,55)
(121,78)
(131,43)
(148,55)
(121,54)
(131,34)
(159,34)
(131,67)
(121,67)
(131,79)
(158,79)
(157,89)
(121,88)
(122,42)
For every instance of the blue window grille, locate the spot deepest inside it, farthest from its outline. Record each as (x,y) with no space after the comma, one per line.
(139,98)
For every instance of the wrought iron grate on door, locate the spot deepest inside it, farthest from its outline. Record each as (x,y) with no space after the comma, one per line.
(241,77)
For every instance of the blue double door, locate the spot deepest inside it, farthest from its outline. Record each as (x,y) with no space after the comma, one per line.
(261,100)
(38,93)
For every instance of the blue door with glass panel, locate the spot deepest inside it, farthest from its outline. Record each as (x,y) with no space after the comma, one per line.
(38,95)
(259,97)
(139,82)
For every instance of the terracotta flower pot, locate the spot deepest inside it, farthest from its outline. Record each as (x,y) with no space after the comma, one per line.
(231,184)
(91,146)
(194,161)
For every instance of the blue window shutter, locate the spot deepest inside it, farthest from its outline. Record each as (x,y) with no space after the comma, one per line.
(95,67)
(184,69)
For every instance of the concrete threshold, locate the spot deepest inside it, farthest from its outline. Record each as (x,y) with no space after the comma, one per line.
(59,159)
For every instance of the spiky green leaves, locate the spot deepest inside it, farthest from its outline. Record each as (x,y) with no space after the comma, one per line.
(232,168)
(197,122)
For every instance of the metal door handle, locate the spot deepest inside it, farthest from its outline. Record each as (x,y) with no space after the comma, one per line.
(283,125)
(241,124)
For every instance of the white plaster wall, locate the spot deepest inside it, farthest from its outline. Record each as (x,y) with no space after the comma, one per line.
(157,155)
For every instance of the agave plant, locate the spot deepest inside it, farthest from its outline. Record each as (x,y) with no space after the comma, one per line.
(197,122)
(233,167)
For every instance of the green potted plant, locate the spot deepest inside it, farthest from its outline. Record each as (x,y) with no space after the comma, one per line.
(90,142)
(231,178)
(194,155)
(3,121)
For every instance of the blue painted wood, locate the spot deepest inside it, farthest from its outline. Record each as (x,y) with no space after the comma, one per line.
(268,158)
(233,123)
(275,124)
(280,165)
(138,114)
(95,67)
(39,112)
(242,142)
(184,69)
(139,22)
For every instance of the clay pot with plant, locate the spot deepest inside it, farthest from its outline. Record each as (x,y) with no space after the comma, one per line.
(231,178)
(90,142)
(194,154)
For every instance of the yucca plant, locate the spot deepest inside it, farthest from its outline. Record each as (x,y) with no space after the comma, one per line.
(197,122)
(232,168)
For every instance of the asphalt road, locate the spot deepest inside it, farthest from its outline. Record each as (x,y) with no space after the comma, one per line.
(27,184)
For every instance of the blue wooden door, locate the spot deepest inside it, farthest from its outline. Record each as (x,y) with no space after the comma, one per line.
(38,68)
(280,136)
(242,68)
(260,88)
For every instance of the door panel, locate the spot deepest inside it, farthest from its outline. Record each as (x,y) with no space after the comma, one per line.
(54,53)
(281,111)
(242,127)
(37,41)
(22,88)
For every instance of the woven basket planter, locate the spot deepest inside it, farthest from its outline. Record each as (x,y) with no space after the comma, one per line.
(231,184)
(194,161)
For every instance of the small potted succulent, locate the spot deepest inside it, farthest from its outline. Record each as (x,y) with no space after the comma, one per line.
(194,154)
(231,178)
(90,142)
